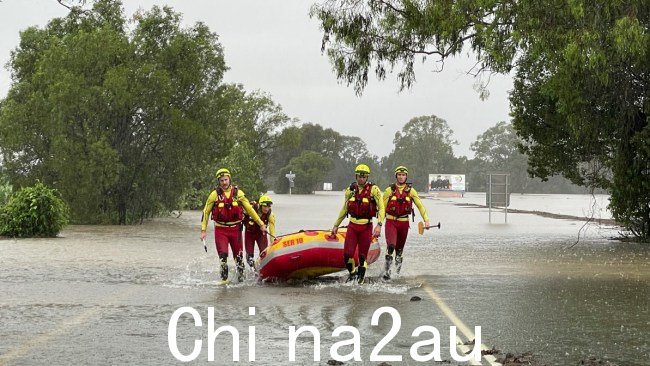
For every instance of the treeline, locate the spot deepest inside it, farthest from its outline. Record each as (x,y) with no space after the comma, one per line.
(425,145)
(129,118)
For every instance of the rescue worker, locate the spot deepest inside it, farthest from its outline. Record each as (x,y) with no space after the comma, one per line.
(225,205)
(398,199)
(253,234)
(363,201)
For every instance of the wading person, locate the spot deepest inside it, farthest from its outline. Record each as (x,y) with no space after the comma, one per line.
(399,198)
(253,233)
(363,201)
(226,204)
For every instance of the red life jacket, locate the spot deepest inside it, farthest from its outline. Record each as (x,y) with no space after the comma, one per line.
(362,204)
(399,203)
(226,210)
(250,224)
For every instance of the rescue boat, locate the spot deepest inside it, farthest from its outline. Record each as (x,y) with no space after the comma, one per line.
(307,254)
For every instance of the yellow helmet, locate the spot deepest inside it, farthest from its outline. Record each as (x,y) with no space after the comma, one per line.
(265,201)
(362,169)
(222,172)
(401,169)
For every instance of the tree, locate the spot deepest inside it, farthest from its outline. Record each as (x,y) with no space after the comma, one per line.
(353,151)
(245,170)
(424,146)
(497,151)
(580,100)
(114,119)
(253,119)
(309,167)
(344,151)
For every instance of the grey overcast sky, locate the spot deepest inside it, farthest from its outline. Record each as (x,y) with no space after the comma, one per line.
(273,46)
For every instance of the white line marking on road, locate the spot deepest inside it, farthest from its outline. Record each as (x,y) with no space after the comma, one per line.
(459,324)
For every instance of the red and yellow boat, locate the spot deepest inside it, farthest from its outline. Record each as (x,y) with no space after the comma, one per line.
(307,254)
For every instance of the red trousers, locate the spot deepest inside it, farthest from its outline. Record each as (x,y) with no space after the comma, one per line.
(396,232)
(358,236)
(228,235)
(252,237)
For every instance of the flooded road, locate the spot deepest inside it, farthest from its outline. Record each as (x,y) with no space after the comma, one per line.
(105,295)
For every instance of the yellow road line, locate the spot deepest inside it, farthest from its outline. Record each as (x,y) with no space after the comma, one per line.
(459,325)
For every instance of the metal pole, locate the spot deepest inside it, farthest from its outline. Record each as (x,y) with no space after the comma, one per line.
(490,197)
(507,175)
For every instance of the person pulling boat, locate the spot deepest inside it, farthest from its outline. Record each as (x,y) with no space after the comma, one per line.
(253,233)
(224,205)
(399,198)
(363,201)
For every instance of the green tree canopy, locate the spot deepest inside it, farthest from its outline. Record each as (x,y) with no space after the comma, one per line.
(496,151)
(581,94)
(117,120)
(425,145)
(310,168)
(343,151)
(353,151)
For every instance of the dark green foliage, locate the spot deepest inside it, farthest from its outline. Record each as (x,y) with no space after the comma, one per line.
(121,115)
(425,145)
(246,170)
(631,187)
(339,154)
(34,211)
(125,122)
(496,151)
(581,98)
(5,191)
(309,167)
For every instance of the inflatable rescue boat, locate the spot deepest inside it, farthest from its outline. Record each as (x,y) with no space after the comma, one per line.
(307,254)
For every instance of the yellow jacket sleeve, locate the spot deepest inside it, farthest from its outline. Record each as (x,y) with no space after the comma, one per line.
(207,210)
(272,224)
(344,210)
(241,197)
(418,204)
(387,194)
(381,208)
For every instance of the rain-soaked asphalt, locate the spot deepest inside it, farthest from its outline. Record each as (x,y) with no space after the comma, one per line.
(105,295)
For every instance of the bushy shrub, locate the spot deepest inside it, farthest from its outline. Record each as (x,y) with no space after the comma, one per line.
(34,211)
(5,191)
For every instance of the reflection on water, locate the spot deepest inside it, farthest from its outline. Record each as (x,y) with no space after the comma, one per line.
(102,293)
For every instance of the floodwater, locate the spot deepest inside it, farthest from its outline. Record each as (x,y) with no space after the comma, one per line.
(593,207)
(105,295)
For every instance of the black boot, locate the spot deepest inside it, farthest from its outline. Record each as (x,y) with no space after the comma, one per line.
(352,272)
(361,272)
(398,263)
(224,269)
(240,268)
(251,262)
(387,270)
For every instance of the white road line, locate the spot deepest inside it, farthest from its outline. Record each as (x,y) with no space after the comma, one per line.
(491,360)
